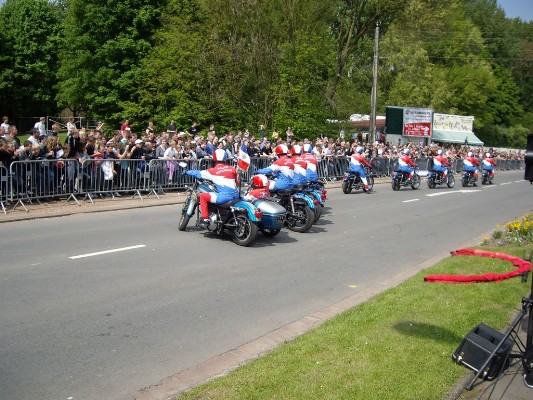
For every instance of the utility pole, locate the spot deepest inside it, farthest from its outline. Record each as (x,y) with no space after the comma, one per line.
(374,95)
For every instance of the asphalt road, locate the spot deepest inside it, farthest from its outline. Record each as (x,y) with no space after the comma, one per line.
(101,305)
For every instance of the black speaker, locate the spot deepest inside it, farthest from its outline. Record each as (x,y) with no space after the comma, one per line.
(476,348)
(528,175)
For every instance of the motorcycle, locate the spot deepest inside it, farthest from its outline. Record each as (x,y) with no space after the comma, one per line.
(401,179)
(239,218)
(299,205)
(487,177)
(352,180)
(437,178)
(468,178)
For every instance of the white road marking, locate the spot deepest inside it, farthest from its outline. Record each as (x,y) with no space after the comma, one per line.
(506,183)
(107,251)
(518,181)
(410,201)
(455,191)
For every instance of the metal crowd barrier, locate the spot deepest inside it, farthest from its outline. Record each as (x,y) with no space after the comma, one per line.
(29,181)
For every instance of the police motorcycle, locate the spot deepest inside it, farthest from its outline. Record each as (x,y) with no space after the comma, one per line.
(437,178)
(273,215)
(299,205)
(468,179)
(401,179)
(352,181)
(487,177)
(237,217)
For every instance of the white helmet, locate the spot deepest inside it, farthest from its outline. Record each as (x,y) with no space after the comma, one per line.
(487,155)
(307,148)
(359,149)
(439,152)
(407,152)
(470,154)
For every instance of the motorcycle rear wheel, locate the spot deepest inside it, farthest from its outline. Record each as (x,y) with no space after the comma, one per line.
(317,212)
(245,232)
(301,220)
(395,184)
(347,186)
(464,182)
(184,218)
(451,180)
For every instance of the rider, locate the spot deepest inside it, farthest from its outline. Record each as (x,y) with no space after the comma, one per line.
(259,188)
(470,164)
(308,156)
(357,161)
(405,164)
(300,166)
(489,164)
(438,162)
(283,167)
(225,180)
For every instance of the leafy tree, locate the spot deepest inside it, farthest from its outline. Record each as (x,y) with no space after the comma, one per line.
(28,60)
(101,54)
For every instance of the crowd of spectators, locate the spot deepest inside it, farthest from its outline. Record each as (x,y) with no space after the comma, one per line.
(172,144)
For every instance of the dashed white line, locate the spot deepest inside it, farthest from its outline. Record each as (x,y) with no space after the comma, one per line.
(506,183)
(107,251)
(410,201)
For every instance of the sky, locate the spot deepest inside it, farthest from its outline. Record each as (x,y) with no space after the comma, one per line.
(512,8)
(518,8)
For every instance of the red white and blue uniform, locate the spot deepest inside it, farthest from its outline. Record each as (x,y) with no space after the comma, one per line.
(470,164)
(283,168)
(357,164)
(224,178)
(300,171)
(312,175)
(405,164)
(440,163)
(489,164)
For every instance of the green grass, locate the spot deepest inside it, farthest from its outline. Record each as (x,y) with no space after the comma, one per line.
(396,346)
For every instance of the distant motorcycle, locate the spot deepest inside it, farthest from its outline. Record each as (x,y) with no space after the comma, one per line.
(487,177)
(401,179)
(352,180)
(237,217)
(437,178)
(468,179)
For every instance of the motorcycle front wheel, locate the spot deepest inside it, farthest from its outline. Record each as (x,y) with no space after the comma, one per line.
(451,180)
(184,218)
(245,231)
(347,186)
(416,182)
(431,183)
(317,212)
(301,220)
(395,184)
(464,181)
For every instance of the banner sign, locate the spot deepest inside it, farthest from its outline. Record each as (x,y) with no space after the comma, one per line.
(457,123)
(417,122)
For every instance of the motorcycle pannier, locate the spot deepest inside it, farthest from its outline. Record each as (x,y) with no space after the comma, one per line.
(476,348)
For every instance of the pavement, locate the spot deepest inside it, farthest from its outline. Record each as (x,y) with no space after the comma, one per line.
(509,386)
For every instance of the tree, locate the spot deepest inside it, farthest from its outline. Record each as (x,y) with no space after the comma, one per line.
(28,59)
(102,51)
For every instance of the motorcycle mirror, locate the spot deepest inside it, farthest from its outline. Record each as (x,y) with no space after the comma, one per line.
(182,164)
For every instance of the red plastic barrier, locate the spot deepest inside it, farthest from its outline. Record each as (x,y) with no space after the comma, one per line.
(522,265)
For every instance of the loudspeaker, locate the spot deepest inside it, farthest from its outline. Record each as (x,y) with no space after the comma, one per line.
(528,175)
(476,348)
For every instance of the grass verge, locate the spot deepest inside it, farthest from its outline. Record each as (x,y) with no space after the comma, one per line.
(396,346)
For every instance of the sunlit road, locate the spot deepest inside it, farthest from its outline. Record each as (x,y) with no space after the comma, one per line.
(99,306)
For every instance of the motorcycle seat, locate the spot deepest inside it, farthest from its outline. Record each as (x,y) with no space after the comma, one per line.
(298,187)
(228,204)
(281,192)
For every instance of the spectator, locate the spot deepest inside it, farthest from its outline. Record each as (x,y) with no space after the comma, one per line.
(125,126)
(41,126)
(71,126)
(34,137)
(5,123)
(171,128)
